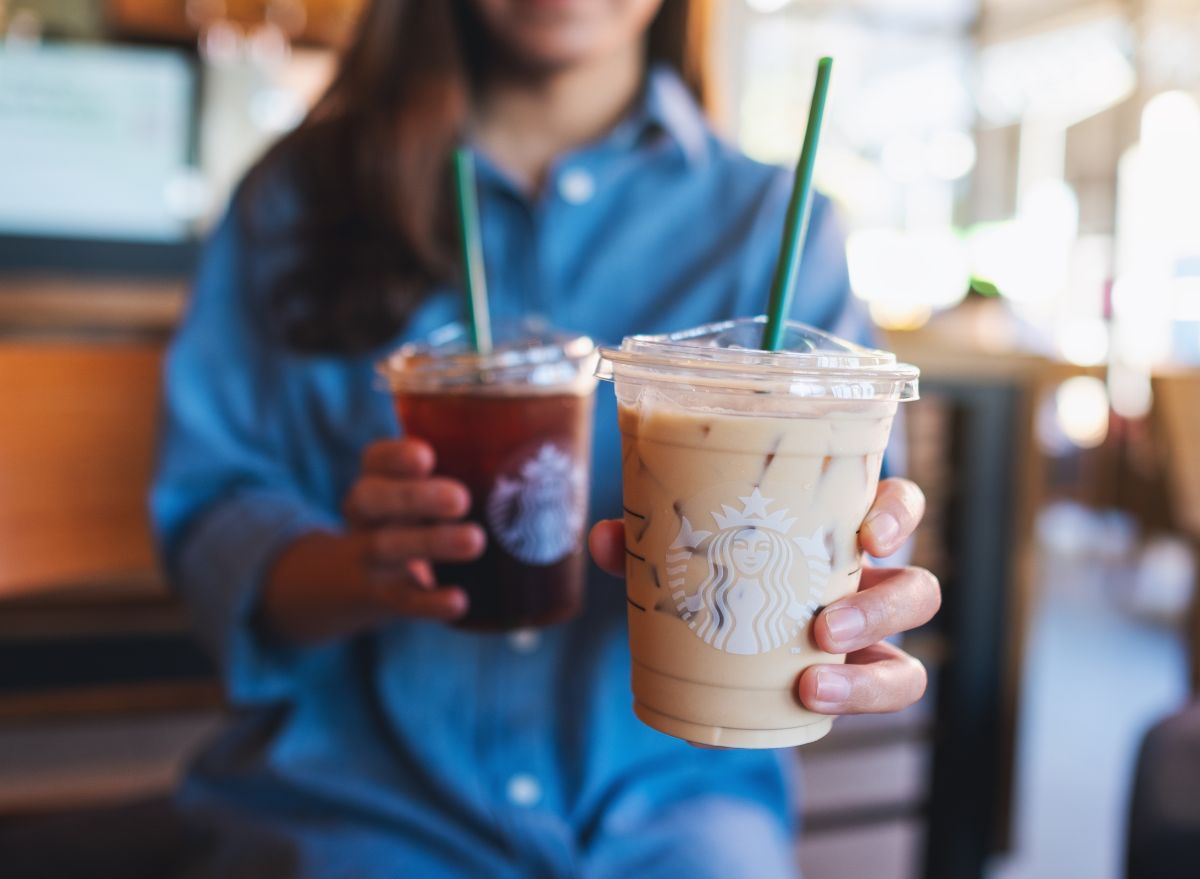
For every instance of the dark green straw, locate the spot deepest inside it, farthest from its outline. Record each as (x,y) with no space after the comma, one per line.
(478,319)
(795,228)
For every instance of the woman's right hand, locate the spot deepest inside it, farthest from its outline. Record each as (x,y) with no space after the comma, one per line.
(400,519)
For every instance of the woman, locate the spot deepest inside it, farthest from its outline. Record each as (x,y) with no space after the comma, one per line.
(371,739)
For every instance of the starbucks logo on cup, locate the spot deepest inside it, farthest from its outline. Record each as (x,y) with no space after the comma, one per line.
(735,585)
(536,510)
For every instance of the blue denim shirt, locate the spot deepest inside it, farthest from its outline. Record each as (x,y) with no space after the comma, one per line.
(421,746)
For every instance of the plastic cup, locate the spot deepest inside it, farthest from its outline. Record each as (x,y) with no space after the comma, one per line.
(747,475)
(515,426)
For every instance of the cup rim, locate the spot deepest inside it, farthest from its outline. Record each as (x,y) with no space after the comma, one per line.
(444,358)
(833,368)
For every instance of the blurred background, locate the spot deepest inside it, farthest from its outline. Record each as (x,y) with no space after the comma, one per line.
(1020,183)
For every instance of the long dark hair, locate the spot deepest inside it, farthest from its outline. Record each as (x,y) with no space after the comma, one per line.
(372,229)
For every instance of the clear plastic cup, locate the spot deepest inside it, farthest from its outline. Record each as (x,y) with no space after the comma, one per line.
(747,475)
(515,426)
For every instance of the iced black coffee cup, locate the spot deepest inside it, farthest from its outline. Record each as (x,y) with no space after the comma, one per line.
(515,427)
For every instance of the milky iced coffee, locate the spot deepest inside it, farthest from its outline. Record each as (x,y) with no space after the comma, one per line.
(747,475)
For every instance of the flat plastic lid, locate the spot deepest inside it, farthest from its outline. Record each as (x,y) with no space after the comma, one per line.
(726,356)
(528,352)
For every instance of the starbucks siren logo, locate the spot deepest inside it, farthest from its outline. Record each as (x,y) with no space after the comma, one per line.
(537,515)
(745,603)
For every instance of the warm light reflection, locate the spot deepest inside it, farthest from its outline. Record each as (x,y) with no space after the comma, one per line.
(899,318)
(1158,226)
(1083,342)
(1081,408)
(1065,73)
(1029,258)
(1130,391)
(1169,118)
(1142,320)
(907,272)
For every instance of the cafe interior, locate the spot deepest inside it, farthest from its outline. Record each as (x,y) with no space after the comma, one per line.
(1019,181)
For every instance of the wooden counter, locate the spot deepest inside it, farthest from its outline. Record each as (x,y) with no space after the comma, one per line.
(85,310)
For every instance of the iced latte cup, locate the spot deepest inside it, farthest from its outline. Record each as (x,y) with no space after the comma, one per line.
(747,475)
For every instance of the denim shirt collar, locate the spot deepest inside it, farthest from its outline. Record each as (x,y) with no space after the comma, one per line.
(669,106)
(665,109)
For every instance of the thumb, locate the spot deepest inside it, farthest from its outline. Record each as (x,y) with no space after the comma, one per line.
(607,545)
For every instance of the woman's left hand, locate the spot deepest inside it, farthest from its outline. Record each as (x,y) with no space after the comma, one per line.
(878,677)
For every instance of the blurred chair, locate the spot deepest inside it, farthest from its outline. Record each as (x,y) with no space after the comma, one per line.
(1177,412)
(88,632)
(1164,818)
(76,442)
(1164,814)
(144,840)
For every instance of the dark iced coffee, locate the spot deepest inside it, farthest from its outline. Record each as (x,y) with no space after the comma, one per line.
(515,427)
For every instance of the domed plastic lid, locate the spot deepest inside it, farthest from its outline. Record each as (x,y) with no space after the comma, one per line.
(726,356)
(527,353)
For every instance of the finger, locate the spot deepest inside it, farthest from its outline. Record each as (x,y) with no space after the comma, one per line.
(895,515)
(889,601)
(442,543)
(407,457)
(447,603)
(421,574)
(408,590)
(607,544)
(376,498)
(875,680)
(417,573)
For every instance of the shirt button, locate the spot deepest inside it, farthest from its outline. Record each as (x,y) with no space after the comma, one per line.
(523,790)
(576,186)
(524,640)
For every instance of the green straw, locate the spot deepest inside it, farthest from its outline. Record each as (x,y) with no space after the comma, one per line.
(795,228)
(478,319)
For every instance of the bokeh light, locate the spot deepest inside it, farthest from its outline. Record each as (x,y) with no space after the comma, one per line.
(1081,407)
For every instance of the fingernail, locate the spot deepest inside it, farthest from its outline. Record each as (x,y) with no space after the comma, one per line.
(884,527)
(455,603)
(832,686)
(460,501)
(845,623)
(470,538)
